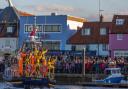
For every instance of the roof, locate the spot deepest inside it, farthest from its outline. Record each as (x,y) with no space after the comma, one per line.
(95,36)
(120,29)
(9,14)
(21,13)
(1,10)
(73,18)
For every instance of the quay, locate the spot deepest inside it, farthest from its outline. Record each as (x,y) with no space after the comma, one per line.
(63,78)
(112,85)
(80,80)
(85,80)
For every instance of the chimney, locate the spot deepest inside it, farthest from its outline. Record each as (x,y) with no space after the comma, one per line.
(101,18)
(53,14)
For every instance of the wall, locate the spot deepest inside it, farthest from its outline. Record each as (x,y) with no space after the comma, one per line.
(55,19)
(74,24)
(115,44)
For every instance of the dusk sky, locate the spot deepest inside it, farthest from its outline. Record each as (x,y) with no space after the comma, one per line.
(80,8)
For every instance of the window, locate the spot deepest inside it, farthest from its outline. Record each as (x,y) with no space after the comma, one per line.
(119,21)
(39,28)
(104,47)
(87,47)
(9,29)
(30,27)
(120,53)
(51,45)
(52,28)
(7,43)
(103,31)
(86,31)
(73,48)
(119,36)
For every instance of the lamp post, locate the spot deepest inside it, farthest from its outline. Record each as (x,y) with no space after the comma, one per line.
(84,63)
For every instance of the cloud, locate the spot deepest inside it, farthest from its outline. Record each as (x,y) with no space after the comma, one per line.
(62,9)
(51,8)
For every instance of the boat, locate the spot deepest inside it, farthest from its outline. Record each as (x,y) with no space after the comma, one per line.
(113,76)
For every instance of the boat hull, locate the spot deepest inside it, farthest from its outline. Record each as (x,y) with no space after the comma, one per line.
(114,80)
(38,81)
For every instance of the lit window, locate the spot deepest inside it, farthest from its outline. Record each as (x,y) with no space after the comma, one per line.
(119,21)
(119,36)
(86,31)
(9,29)
(103,31)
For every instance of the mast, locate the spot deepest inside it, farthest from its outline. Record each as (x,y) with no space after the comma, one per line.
(10,3)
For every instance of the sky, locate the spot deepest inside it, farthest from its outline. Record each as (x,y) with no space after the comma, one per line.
(81,8)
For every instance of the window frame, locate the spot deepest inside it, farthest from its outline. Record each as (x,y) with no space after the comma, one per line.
(105,47)
(86,32)
(119,37)
(31,26)
(52,41)
(103,31)
(59,31)
(10,29)
(119,21)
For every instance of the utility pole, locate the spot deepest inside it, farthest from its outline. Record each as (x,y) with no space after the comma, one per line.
(99,25)
(84,62)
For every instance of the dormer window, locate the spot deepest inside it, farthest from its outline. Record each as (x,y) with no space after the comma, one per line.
(103,31)
(119,21)
(9,29)
(86,31)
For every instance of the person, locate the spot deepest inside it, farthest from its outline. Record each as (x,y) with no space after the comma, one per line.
(33,34)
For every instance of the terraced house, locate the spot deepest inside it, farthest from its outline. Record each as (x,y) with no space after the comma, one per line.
(9,28)
(94,37)
(118,37)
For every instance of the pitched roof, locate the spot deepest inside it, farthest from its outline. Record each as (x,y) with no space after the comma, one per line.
(95,36)
(1,10)
(21,13)
(9,14)
(73,18)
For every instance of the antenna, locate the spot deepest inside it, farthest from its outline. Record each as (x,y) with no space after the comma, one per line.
(10,3)
(100,10)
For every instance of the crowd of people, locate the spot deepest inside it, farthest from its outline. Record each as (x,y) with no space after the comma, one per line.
(67,63)
(75,64)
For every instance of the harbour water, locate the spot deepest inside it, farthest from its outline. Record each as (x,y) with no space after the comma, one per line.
(10,86)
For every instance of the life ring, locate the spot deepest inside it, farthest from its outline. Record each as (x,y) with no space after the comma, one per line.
(44,70)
